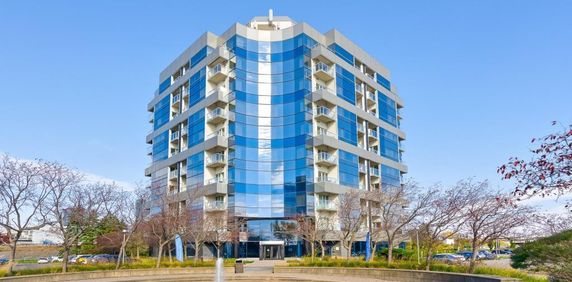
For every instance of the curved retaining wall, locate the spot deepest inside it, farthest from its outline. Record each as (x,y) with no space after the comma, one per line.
(85,275)
(394,274)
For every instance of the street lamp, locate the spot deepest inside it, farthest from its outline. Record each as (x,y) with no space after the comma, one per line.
(124,231)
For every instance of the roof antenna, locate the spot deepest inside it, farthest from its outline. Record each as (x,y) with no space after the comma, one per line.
(270,15)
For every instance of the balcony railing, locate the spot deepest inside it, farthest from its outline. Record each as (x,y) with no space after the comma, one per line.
(373,150)
(326,157)
(370,95)
(326,206)
(359,88)
(175,136)
(372,133)
(325,113)
(184,130)
(360,128)
(216,180)
(322,67)
(321,87)
(176,98)
(174,174)
(374,171)
(216,69)
(215,206)
(216,113)
(217,158)
(323,71)
(326,179)
(361,168)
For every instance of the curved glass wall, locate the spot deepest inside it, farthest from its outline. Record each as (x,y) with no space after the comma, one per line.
(270,172)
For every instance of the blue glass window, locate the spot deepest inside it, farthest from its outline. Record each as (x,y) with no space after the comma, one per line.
(199,56)
(342,53)
(164,85)
(389,144)
(383,81)
(161,146)
(349,175)
(161,112)
(347,126)
(197,84)
(196,128)
(390,176)
(195,170)
(387,109)
(345,85)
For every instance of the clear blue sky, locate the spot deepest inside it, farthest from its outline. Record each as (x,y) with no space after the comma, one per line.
(479,78)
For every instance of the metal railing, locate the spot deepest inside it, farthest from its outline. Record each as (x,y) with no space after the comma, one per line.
(322,67)
(184,130)
(374,171)
(359,88)
(215,205)
(323,111)
(174,174)
(370,95)
(325,206)
(176,98)
(216,180)
(215,158)
(175,135)
(326,179)
(218,112)
(372,133)
(217,69)
(326,157)
(360,127)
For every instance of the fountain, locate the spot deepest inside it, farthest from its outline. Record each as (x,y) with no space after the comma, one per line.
(219,270)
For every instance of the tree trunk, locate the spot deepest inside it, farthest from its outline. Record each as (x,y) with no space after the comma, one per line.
(159,254)
(118,262)
(313,251)
(185,251)
(137,250)
(473,257)
(428,258)
(389,250)
(197,251)
(65,259)
(13,253)
(323,252)
(170,251)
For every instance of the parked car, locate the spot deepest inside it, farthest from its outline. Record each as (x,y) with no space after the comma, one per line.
(504,252)
(487,255)
(4,261)
(103,258)
(468,254)
(449,258)
(55,259)
(43,260)
(79,259)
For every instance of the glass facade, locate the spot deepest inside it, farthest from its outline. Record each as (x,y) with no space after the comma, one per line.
(390,176)
(345,85)
(383,81)
(195,171)
(387,109)
(161,146)
(164,85)
(270,169)
(196,128)
(389,144)
(199,56)
(161,112)
(347,126)
(349,175)
(197,84)
(342,53)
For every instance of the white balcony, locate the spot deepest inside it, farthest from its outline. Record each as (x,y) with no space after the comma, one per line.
(371,100)
(372,133)
(321,87)
(150,150)
(175,136)
(324,114)
(216,160)
(215,206)
(326,206)
(326,179)
(360,128)
(326,159)
(359,88)
(174,174)
(184,130)
(361,168)
(374,171)
(218,73)
(216,180)
(373,150)
(216,116)
(176,99)
(323,71)
(151,117)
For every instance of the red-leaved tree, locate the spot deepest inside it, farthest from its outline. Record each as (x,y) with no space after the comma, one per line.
(549,172)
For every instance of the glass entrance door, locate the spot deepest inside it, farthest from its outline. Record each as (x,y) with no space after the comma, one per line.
(272,252)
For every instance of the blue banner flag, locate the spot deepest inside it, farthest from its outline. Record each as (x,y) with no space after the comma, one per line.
(367,247)
(178,248)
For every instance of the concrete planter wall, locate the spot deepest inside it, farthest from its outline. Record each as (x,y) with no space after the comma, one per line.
(74,276)
(394,274)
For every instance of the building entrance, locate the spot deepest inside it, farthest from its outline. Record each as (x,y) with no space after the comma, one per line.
(270,250)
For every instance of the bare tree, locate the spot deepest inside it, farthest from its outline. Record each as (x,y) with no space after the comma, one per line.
(399,206)
(197,231)
(22,200)
(131,203)
(546,224)
(445,216)
(307,229)
(165,225)
(222,230)
(351,217)
(489,216)
(74,207)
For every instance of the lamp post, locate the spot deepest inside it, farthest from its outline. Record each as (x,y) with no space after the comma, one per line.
(123,247)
